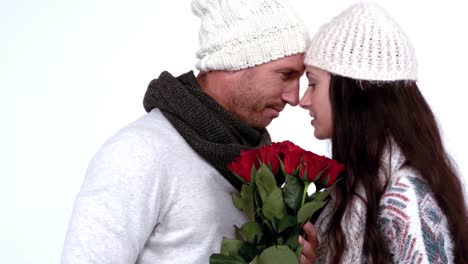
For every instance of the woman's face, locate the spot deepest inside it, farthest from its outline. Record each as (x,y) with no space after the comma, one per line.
(316,99)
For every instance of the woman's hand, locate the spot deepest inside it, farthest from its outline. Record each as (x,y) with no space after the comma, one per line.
(309,244)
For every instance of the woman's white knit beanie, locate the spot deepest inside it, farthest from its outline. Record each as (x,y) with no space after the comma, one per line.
(363,42)
(238,34)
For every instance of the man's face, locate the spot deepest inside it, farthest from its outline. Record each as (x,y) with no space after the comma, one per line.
(257,95)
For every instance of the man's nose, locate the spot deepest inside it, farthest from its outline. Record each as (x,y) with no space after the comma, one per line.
(291,94)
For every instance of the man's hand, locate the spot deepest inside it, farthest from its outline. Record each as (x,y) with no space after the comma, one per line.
(309,245)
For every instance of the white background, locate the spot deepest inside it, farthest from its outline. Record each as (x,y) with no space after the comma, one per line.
(73,72)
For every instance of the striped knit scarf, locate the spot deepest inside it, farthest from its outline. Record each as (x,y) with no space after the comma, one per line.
(209,129)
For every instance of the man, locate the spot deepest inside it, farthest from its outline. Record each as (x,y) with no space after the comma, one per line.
(159,190)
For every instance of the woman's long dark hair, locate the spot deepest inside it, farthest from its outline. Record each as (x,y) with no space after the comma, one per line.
(366,117)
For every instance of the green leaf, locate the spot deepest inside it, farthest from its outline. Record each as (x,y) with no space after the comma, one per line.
(286,221)
(282,167)
(257,202)
(247,195)
(307,210)
(275,223)
(254,261)
(326,180)
(273,205)
(293,238)
(252,232)
(231,247)
(239,235)
(248,251)
(245,202)
(319,174)
(280,254)
(269,225)
(319,196)
(253,171)
(265,182)
(238,201)
(240,250)
(297,170)
(292,192)
(298,252)
(323,195)
(222,259)
(279,241)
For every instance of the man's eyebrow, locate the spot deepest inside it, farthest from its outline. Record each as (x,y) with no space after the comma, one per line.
(286,69)
(290,70)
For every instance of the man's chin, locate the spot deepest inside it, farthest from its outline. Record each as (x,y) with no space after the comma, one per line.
(261,125)
(261,122)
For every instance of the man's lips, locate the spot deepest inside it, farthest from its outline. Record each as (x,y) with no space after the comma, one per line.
(274,111)
(278,108)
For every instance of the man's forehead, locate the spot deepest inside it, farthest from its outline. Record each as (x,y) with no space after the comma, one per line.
(295,62)
(292,67)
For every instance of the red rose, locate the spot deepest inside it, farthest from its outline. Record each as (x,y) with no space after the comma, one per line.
(313,164)
(242,165)
(291,160)
(271,155)
(289,146)
(329,177)
(291,155)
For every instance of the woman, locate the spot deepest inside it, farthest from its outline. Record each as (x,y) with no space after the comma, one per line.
(400,199)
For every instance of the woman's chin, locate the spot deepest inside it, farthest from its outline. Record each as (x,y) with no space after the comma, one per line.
(320,136)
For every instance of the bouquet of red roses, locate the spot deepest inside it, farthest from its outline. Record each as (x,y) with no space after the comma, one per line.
(274,196)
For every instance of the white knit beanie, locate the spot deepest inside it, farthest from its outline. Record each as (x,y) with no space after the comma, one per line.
(365,43)
(238,34)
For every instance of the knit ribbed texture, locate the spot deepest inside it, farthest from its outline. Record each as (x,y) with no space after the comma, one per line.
(238,34)
(149,198)
(210,130)
(363,42)
(409,218)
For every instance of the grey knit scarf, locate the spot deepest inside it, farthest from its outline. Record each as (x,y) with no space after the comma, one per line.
(210,130)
